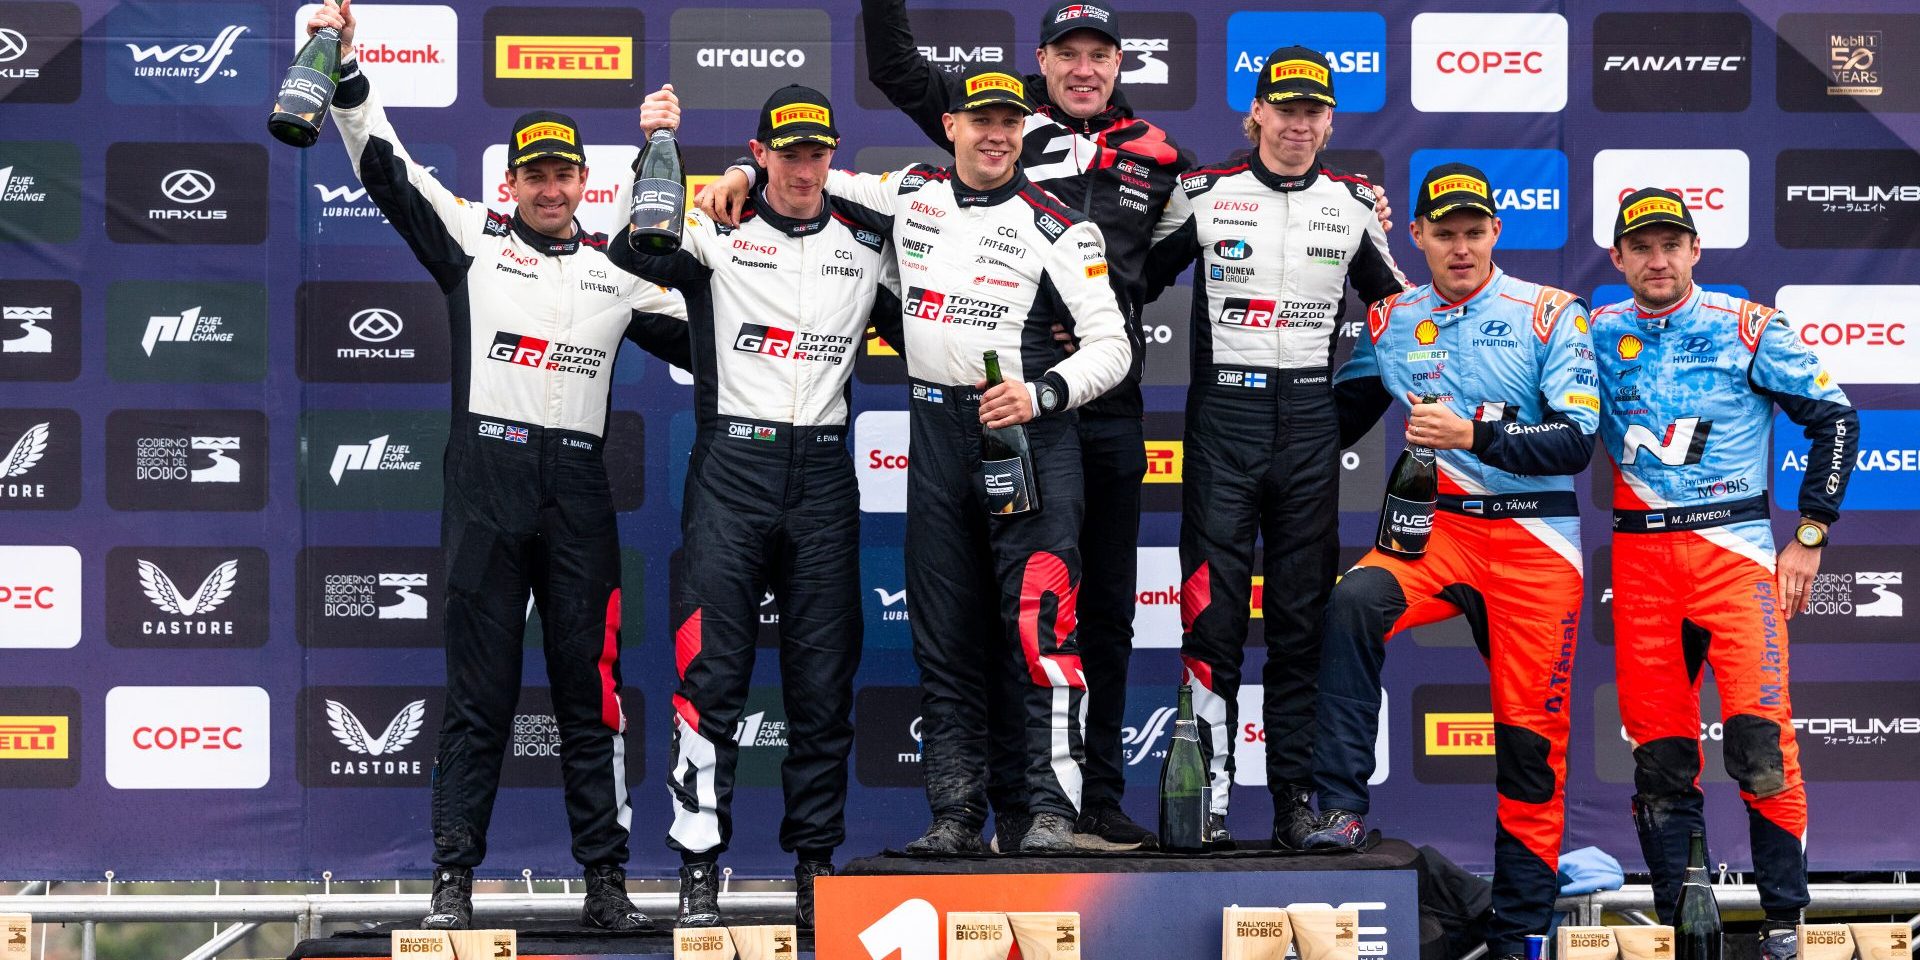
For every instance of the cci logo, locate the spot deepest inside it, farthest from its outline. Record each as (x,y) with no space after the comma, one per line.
(880,460)
(188,738)
(1712,182)
(1529,187)
(1489,62)
(1355,45)
(1861,333)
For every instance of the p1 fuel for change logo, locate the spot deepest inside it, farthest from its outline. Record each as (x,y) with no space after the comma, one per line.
(372,460)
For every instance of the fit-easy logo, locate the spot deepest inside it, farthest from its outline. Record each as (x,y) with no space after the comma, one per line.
(213,53)
(1489,62)
(1355,45)
(39,53)
(1713,183)
(186,192)
(565,57)
(186,459)
(1529,188)
(1851,199)
(39,459)
(188,738)
(730,61)
(1672,62)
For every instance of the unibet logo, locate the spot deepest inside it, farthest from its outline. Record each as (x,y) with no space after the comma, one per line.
(1297,69)
(563,58)
(546,131)
(1459,734)
(1164,461)
(801,113)
(34,738)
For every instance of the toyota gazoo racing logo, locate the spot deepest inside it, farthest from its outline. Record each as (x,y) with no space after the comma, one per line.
(399,732)
(201,61)
(939,307)
(546,354)
(1245,312)
(1082,11)
(758,338)
(775,342)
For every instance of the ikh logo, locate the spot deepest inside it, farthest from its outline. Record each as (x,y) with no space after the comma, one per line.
(563,58)
(1459,734)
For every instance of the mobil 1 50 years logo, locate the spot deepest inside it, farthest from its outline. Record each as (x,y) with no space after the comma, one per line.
(187,193)
(186,459)
(1840,62)
(39,459)
(187,596)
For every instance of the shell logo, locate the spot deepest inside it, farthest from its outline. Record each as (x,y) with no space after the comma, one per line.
(1426,332)
(1629,346)
(1580,322)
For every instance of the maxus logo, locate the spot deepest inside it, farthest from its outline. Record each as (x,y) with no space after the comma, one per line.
(1489,62)
(1355,45)
(1529,187)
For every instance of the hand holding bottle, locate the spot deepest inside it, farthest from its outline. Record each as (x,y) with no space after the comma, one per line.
(1435,426)
(339,17)
(660,111)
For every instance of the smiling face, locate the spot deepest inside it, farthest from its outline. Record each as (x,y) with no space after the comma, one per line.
(1459,250)
(986,144)
(1292,133)
(547,192)
(1080,69)
(795,176)
(1658,263)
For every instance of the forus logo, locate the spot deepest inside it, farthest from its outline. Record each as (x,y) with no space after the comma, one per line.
(1233,249)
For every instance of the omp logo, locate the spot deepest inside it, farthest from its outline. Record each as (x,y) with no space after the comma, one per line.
(35,738)
(400,731)
(1684,443)
(757,338)
(213,591)
(202,61)
(188,186)
(1459,734)
(563,58)
(514,348)
(26,451)
(1164,461)
(189,326)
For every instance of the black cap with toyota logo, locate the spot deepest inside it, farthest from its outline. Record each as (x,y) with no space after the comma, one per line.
(1065,18)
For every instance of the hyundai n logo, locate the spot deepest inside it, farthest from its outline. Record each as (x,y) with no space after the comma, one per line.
(376,325)
(187,186)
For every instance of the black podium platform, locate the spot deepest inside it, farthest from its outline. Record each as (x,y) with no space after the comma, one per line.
(536,940)
(1379,854)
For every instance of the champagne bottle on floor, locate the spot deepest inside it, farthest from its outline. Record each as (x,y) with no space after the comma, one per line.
(300,108)
(1697,931)
(659,196)
(1006,460)
(1406,516)
(1183,783)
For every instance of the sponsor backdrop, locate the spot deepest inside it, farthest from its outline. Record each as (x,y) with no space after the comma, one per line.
(225,384)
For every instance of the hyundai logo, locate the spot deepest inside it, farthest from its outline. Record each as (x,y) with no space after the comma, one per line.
(376,325)
(1497,328)
(187,186)
(1696,344)
(13,45)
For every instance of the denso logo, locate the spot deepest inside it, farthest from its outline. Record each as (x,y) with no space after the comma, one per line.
(1246,206)
(508,253)
(766,249)
(928,209)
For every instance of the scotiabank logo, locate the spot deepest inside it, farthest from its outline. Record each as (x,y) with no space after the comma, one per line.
(188,738)
(880,460)
(1250,740)
(1862,334)
(1156,609)
(1489,62)
(39,597)
(411,52)
(1714,184)
(758,338)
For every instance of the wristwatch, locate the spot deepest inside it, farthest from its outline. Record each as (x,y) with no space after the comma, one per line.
(1048,396)
(1811,535)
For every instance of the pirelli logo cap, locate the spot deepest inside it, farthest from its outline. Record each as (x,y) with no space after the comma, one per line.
(986,88)
(544,133)
(1651,205)
(797,114)
(1295,73)
(1454,186)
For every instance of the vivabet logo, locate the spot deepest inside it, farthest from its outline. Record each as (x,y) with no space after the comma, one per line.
(1529,187)
(1886,469)
(1355,45)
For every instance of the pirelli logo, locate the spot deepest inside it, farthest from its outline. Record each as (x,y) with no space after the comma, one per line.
(563,58)
(545,131)
(1459,182)
(1163,461)
(1297,70)
(801,113)
(1653,205)
(995,81)
(1096,270)
(1459,734)
(34,738)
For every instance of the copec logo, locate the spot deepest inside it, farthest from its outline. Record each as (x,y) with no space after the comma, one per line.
(1714,184)
(411,53)
(188,738)
(1489,62)
(880,460)
(40,601)
(1885,472)
(1250,740)
(1863,334)
(1355,45)
(597,208)
(1529,187)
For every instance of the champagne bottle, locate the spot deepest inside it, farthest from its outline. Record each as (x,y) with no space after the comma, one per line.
(1183,783)
(1406,516)
(1697,930)
(1006,461)
(659,196)
(300,108)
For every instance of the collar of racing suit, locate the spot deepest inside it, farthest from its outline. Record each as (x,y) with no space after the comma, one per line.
(1117,109)
(1655,322)
(969,197)
(1445,313)
(551,246)
(788,225)
(1281,182)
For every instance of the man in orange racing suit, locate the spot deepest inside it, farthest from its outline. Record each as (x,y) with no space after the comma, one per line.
(1689,381)
(1511,366)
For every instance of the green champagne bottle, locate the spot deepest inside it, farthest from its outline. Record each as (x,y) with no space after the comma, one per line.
(1006,460)
(1183,783)
(659,196)
(1697,931)
(1406,516)
(300,108)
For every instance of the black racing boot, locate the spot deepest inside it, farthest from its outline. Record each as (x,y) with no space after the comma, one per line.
(452,907)
(1114,829)
(804,873)
(947,836)
(699,894)
(1293,818)
(607,906)
(1050,833)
